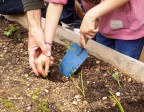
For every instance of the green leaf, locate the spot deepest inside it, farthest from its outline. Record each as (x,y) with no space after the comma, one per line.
(116,76)
(35,97)
(7,33)
(68,47)
(12,28)
(8,104)
(115,100)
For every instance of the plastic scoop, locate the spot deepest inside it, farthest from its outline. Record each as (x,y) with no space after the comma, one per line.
(74,57)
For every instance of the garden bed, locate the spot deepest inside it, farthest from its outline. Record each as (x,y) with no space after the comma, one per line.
(22,91)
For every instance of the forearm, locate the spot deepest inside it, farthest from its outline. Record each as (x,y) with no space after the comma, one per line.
(52,18)
(33,4)
(34,19)
(105,7)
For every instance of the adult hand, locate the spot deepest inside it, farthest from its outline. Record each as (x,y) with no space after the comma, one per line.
(42,64)
(36,46)
(36,41)
(88,29)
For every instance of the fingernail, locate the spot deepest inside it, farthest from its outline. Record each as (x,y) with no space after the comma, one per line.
(48,53)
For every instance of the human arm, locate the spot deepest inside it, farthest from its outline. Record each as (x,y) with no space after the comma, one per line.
(52,18)
(36,42)
(88,28)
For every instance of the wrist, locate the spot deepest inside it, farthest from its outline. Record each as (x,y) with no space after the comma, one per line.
(49,45)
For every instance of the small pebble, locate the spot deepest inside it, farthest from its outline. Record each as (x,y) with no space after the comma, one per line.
(74,102)
(29,107)
(46,90)
(118,94)
(77,96)
(129,80)
(104,98)
(97,62)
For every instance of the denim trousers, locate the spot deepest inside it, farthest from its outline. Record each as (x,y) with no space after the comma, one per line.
(132,48)
(69,14)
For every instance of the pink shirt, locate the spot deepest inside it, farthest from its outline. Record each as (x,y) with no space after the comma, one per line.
(126,22)
(57,1)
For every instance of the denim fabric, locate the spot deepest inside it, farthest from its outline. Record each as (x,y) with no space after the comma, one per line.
(69,14)
(132,48)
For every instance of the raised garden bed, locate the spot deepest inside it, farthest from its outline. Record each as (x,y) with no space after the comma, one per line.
(22,91)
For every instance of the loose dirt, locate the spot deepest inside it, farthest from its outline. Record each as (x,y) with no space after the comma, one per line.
(22,91)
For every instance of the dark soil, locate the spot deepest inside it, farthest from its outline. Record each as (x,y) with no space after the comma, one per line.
(22,91)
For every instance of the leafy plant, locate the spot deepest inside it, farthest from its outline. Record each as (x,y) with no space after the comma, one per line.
(116,76)
(59,108)
(115,100)
(35,95)
(10,31)
(68,47)
(42,107)
(1,99)
(8,104)
(76,84)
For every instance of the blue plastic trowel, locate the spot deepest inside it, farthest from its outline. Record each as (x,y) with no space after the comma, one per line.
(74,57)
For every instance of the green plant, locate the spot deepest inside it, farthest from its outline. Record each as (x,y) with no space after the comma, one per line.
(42,107)
(116,101)
(8,104)
(35,95)
(58,107)
(76,84)
(10,30)
(1,99)
(116,76)
(68,47)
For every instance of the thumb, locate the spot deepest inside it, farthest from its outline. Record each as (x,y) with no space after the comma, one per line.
(46,49)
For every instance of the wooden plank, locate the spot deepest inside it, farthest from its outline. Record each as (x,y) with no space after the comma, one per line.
(133,68)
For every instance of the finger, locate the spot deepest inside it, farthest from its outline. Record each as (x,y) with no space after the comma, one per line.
(82,41)
(51,63)
(89,36)
(94,30)
(32,64)
(46,68)
(40,68)
(51,58)
(46,49)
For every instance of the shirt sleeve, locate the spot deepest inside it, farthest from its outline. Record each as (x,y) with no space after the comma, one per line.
(33,4)
(57,1)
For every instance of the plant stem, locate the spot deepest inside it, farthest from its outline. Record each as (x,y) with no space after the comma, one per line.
(117,102)
(82,84)
(75,83)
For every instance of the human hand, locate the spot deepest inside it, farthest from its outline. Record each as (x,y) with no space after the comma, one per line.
(36,46)
(88,29)
(42,64)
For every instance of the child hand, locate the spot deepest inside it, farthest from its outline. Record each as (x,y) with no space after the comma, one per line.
(88,29)
(42,64)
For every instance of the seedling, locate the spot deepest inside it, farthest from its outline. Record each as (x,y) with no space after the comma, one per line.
(67,47)
(35,95)
(76,84)
(116,101)
(9,105)
(1,99)
(116,77)
(58,107)
(10,31)
(42,107)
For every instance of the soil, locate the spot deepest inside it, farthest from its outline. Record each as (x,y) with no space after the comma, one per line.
(22,91)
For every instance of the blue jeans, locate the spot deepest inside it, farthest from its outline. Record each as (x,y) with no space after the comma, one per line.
(69,14)
(132,48)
